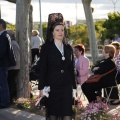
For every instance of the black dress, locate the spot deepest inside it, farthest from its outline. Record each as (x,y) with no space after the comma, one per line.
(59,75)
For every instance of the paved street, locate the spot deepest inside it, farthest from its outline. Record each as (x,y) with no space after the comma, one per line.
(3,118)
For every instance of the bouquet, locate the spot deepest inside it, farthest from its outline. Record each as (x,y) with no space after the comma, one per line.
(42,101)
(95,111)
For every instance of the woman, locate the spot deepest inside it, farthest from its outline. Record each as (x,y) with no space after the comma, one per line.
(13,70)
(82,64)
(115,93)
(105,65)
(57,71)
(36,42)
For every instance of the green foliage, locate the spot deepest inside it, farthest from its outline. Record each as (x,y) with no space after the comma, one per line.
(100,31)
(112,24)
(11,27)
(44,31)
(79,34)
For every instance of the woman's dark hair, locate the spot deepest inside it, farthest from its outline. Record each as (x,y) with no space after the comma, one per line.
(3,23)
(80,47)
(55,24)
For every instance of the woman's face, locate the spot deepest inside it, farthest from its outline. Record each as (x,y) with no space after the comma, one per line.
(58,32)
(33,33)
(77,53)
(105,55)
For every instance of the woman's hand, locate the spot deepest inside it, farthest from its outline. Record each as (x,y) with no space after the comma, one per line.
(45,91)
(75,94)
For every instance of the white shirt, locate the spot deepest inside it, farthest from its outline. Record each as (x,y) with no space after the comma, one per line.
(61,51)
(76,60)
(35,42)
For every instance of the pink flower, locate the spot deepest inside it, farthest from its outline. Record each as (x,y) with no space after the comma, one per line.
(94,111)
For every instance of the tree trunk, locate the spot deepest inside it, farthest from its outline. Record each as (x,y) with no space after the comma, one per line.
(30,21)
(22,30)
(91,30)
(30,29)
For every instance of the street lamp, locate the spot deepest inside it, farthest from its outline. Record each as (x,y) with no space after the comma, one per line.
(41,32)
(0,11)
(76,21)
(114,3)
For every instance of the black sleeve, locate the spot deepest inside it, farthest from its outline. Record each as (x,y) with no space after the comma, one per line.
(42,67)
(72,68)
(3,46)
(105,67)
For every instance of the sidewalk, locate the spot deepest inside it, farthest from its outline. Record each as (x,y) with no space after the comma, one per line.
(14,114)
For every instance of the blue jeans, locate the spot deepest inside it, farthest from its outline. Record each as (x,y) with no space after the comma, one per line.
(4,90)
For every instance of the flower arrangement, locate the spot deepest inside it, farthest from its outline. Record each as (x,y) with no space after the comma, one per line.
(36,105)
(95,111)
(29,105)
(23,103)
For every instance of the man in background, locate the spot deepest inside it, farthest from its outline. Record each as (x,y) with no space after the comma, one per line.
(117,38)
(4,50)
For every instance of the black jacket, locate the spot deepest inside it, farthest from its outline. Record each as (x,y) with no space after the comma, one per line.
(4,49)
(106,65)
(55,72)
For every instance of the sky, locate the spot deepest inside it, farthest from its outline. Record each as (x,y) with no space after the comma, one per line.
(71,9)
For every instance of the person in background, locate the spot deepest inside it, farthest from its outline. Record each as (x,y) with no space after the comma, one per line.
(4,63)
(114,93)
(13,70)
(117,38)
(82,64)
(105,65)
(57,71)
(35,42)
(108,41)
